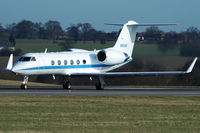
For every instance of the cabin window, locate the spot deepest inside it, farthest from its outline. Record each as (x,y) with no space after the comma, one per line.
(71,62)
(59,62)
(84,61)
(52,63)
(33,59)
(77,62)
(65,62)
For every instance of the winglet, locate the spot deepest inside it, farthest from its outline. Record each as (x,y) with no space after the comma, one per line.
(10,63)
(191,66)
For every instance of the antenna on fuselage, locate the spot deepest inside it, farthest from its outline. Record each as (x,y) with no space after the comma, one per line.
(45,50)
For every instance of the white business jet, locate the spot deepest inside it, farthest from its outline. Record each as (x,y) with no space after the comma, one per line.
(87,63)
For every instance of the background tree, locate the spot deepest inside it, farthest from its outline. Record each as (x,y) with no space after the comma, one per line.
(1,28)
(1,32)
(84,30)
(12,39)
(53,29)
(42,33)
(169,41)
(73,32)
(66,44)
(4,35)
(193,35)
(92,35)
(25,29)
(37,27)
(112,36)
(153,34)
(102,36)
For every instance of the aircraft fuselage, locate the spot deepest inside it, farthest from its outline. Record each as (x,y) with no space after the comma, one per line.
(62,63)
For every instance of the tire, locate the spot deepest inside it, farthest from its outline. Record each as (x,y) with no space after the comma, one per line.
(98,86)
(67,85)
(23,86)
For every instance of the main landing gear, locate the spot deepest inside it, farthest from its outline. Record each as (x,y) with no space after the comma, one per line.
(67,84)
(100,84)
(24,83)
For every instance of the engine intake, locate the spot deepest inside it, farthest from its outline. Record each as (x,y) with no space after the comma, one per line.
(101,55)
(111,57)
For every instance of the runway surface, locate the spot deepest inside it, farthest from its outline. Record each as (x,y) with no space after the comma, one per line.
(90,91)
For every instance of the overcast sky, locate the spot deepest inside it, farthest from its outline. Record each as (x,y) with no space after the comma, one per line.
(98,12)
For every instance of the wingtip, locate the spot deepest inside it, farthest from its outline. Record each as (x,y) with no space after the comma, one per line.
(192,65)
(10,62)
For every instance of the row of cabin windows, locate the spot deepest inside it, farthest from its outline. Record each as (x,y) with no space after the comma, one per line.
(65,62)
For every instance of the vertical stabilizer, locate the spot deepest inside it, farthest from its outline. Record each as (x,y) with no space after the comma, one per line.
(126,39)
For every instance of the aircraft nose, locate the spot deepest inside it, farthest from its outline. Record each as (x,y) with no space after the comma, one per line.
(15,69)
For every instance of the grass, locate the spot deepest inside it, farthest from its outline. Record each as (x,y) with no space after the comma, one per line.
(153,50)
(140,49)
(117,114)
(91,45)
(37,45)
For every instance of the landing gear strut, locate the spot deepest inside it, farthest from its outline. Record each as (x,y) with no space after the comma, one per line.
(100,84)
(67,84)
(24,83)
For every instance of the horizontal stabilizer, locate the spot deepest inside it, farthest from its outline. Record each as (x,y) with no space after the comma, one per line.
(114,24)
(158,24)
(142,24)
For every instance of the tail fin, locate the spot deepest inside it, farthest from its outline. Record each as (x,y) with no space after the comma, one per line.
(126,39)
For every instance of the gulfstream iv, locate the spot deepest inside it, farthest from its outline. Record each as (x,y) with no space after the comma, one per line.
(77,62)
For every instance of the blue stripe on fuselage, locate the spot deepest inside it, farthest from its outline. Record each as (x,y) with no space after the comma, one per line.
(70,67)
(66,67)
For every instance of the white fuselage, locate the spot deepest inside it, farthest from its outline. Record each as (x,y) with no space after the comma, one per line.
(62,63)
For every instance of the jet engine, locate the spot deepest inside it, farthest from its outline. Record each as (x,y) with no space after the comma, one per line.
(111,57)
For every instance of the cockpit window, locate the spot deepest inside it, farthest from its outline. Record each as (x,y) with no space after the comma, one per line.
(20,59)
(27,59)
(33,59)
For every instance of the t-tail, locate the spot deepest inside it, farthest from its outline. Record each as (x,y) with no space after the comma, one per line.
(126,40)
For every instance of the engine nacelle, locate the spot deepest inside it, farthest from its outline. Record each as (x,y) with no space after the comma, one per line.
(111,57)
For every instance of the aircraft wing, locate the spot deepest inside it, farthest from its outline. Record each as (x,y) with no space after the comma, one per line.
(140,73)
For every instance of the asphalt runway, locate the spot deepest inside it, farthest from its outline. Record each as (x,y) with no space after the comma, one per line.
(109,91)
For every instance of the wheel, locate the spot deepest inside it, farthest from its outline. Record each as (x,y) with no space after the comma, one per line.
(99,86)
(67,85)
(23,86)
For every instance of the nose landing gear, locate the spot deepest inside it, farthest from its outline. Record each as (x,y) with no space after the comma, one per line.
(24,83)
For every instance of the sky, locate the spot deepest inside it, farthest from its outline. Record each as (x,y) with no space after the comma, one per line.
(98,12)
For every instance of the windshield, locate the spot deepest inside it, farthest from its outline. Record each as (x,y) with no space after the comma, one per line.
(27,59)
